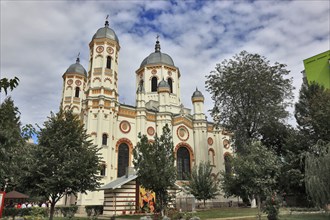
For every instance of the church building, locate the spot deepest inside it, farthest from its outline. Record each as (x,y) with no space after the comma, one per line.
(115,126)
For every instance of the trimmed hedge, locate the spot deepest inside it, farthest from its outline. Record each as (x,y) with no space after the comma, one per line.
(33,211)
(67,211)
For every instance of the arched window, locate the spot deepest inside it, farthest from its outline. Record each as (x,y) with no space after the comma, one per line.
(123,155)
(154,84)
(109,62)
(103,169)
(227,158)
(104,139)
(170,83)
(77,92)
(183,163)
(211,157)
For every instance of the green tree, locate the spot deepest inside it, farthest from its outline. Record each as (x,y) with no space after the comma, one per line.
(11,143)
(318,174)
(248,93)
(66,162)
(254,174)
(312,112)
(154,162)
(202,184)
(6,84)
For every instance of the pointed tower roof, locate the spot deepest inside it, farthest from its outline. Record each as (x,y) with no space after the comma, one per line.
(157,57)
(106,32)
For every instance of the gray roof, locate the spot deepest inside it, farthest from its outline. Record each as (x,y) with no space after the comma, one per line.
(163,84)
(106,32)
(157,57)
(76,68)
(119,182)
(197,93)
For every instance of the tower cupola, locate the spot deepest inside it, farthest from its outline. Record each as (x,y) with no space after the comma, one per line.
(76,68)
(106,32)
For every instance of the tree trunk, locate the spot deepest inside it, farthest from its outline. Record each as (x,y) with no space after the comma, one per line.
(204,203)
(52,210)
(259,206)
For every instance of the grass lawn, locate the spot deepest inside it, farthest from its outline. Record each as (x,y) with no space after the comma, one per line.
(232,212)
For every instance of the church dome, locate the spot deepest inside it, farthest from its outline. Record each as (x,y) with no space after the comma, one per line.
(197,94)
(157,57)
(163,86)
(76,68)
(106,32)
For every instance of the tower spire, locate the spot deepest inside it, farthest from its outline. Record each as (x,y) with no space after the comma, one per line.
(78,59)
(157,46)
(106,21)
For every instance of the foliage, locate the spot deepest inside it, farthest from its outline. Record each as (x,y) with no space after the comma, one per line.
(11,142)
(272,207)
(65,162)
(68,211)
(318,174)
(154,162)
(202,184)
(248,93)
(312,112)
(93,211)
(254,174)
(33,211)
(6,84)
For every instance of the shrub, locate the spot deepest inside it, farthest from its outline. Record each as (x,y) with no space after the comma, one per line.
(68,211)
(93,211)
(271,208)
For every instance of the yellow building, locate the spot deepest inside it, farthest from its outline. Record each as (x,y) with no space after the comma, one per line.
(114,126)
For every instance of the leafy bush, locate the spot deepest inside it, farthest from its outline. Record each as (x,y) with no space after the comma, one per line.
(271,208)
(93,211)
(34,212)
(68,211)
(12,212)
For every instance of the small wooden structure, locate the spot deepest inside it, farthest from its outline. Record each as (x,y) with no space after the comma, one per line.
(15,195)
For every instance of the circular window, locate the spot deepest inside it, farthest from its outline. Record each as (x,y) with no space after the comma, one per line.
(210,141)
(154,71)
(226,143)
(151,131)
(70,81)
(125,126)
(78,83)
(183,133)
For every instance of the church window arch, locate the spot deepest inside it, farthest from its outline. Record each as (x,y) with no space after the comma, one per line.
(123,159)
(103,168)
(108,62)
(104,139)
(212,157)
(228,162)
(183,163)
(154,84)
(170,83)
(77,92)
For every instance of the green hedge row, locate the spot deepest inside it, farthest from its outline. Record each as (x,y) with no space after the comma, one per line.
(33,211)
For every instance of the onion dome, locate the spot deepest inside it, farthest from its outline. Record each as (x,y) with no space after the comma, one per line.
(157,57)
(76,68)
(106,32)
(163,86)
(197,96)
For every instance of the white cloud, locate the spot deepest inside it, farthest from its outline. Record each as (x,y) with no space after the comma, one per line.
(40,40)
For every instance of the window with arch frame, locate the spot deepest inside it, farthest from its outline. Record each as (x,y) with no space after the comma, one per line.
(183,163)
(170,83)
(77,91)
(104,139)
(108,62)
(123,157)
(154,82)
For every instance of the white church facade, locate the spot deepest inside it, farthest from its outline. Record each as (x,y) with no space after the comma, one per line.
(115,126)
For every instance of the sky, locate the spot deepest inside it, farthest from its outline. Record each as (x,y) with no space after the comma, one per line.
(39,40)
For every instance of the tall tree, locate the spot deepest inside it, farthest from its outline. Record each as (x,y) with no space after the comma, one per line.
(318,174)
(202,184)
(11,142)
(248,93)
(154,162)
(312,112)
(255,174)
(66,162)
